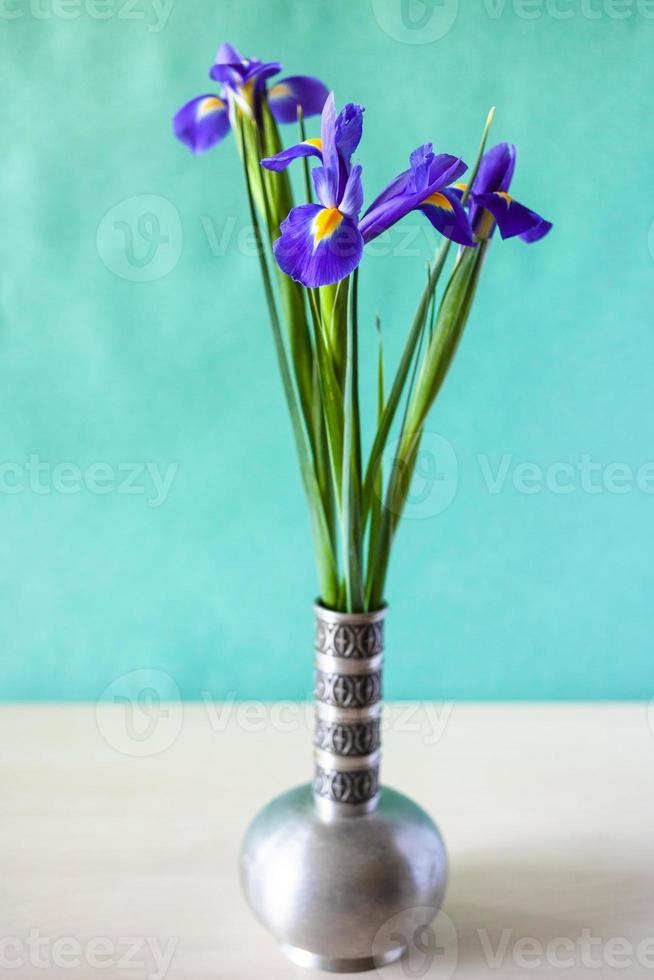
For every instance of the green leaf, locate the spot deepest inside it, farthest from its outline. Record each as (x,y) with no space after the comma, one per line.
(452,318)
(439,353)
(377,498)
(415,333)
(275,202)
(299,338)
(386,421)
(327,567)
(333,316)
(332,401)
(351,493)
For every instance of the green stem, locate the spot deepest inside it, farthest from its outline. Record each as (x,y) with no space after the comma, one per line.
(351,495)
(414,336)
(327,567)
(395,394)
(274,194)
(451,322)
(376,505)
(331,399)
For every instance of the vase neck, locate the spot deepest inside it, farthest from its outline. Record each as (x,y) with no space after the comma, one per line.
(348,701)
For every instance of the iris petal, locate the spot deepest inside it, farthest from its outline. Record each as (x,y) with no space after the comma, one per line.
(229,65)
(261,71)
(409,192)
(542,228)
(302,91)
(281,160)
(395,188)
(317,246)
(227,54)
(421,160)
(427,172)
(226,74)
(328,180)
(447,215)
(353,197)
(325,181)
(202,123)
(496,169)
(340,135)
(348,130)
(328,130)
(512,217)
(444,169)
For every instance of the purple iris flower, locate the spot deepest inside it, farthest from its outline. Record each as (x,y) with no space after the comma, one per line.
(423,187)
(490,193)
(205,121)
(323,243)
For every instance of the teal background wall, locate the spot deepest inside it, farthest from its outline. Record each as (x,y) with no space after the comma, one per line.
(133,331)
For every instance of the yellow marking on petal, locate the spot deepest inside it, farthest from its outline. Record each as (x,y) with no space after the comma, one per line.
(486,222)
(325,223)
(245,99)
(279,91)
(314,142)
(211,104)
(439,201)
(461,187)
(485,225)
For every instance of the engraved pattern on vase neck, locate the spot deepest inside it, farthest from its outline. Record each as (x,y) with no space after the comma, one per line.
(348,694)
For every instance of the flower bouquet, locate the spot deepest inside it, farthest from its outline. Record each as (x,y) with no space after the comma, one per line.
(312,874)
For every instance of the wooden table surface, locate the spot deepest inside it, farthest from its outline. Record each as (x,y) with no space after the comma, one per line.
(120,827)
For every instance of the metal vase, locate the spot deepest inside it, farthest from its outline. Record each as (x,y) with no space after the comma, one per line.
(344,872)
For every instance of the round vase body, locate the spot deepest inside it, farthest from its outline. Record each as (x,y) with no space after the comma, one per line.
(343,893)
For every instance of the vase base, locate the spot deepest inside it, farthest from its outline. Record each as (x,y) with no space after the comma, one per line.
(331,964)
